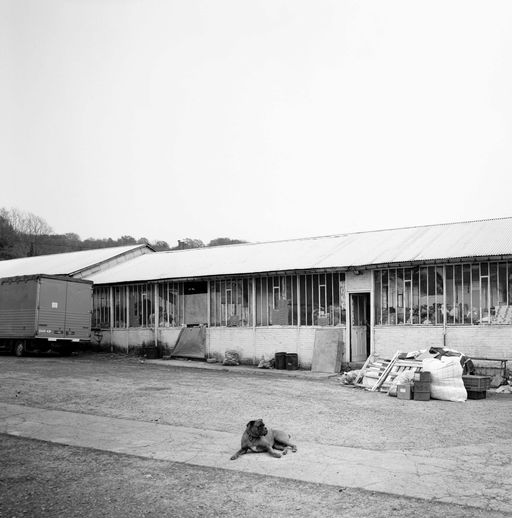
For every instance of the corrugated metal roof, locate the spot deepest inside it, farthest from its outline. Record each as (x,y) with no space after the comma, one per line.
(61,264)
(403,245)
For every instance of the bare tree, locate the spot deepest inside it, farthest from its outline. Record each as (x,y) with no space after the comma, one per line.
(29,228)
(16,218)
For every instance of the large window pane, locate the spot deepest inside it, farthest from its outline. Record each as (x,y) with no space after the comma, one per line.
(450,296)
(392,297)
(400,318)
(475,294)
(484,294)
(343,302)
(378,297)
(119,294)
(457,310)
(502,284)
(424,296)
(101,308)
(415,295)
(384,296)
(493,280)
(466,294)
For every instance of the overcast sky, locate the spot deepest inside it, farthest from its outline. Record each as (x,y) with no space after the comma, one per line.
(256,120)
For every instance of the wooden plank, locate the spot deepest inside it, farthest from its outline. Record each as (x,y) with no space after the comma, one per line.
(327,351)
(363,369)
(384,375)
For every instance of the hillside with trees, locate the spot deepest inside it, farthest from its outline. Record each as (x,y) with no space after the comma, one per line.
(23,234)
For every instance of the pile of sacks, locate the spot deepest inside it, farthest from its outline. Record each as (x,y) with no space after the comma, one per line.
(231,358)
(348,378)
(506,388)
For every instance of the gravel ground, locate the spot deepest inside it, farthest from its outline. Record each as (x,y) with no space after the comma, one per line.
(40,479)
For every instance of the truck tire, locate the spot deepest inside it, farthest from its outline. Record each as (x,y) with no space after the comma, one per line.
(20,349)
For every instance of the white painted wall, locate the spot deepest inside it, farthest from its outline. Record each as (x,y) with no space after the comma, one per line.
(389,339)
(252,344)
(127,340)
(493,341)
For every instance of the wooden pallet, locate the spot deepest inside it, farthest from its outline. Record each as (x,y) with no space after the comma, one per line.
(385,370)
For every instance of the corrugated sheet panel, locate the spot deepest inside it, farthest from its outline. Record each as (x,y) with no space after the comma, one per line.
(61,264)
(436,242)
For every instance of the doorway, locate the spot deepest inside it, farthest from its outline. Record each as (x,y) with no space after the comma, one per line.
(191,342)
(359,326)
(196,303)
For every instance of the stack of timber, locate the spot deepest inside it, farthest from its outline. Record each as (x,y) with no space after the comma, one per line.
(377,374)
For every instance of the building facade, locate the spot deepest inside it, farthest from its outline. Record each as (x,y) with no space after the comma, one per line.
(464,306)
(331,299)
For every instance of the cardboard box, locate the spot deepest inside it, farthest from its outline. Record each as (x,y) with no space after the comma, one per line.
(404,391)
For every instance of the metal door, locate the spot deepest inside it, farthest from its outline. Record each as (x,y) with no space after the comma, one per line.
(78,310)
(52,308)
(359,326)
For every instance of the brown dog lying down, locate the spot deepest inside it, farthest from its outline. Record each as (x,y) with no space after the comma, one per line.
(257,438)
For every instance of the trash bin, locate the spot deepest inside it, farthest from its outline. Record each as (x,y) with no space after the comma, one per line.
(280,361)
(149,352)
(292,361)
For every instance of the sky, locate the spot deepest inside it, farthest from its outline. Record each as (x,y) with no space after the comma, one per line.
(259,120)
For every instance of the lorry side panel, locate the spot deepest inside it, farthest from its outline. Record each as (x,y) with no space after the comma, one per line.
(18,308)
(78,311)
(52,308)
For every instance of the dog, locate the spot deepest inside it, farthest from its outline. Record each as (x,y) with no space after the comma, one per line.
(257,438)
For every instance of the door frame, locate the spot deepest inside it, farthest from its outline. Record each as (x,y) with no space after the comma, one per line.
(370,345)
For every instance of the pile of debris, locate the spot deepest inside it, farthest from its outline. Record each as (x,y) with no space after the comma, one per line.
(440,373)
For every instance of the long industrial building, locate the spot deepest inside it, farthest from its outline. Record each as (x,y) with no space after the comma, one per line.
(338,298)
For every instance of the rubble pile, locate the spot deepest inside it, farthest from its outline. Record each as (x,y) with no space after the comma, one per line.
(437,373)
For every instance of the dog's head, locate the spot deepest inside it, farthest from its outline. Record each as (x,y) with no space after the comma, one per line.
(257,428)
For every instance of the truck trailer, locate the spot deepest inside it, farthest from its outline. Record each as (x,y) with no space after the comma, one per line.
(44,312)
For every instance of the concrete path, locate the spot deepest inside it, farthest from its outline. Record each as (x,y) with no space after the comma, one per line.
(480,478)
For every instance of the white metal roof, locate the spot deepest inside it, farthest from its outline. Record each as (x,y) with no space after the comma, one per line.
(62,264)
(404,245)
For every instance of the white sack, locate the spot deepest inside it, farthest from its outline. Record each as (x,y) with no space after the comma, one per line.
(446,378)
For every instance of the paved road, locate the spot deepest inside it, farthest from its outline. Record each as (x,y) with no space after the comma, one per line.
(481,474)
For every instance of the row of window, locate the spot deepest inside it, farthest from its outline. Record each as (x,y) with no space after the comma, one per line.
(308,300)
(477,293)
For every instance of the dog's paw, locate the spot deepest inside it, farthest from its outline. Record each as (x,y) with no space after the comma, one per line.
(234,457)
(285,452)
(294,449)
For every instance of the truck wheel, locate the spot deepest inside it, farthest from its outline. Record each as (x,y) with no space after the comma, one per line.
(19,349)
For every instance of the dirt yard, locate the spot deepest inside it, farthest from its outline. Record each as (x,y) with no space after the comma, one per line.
(41,479)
